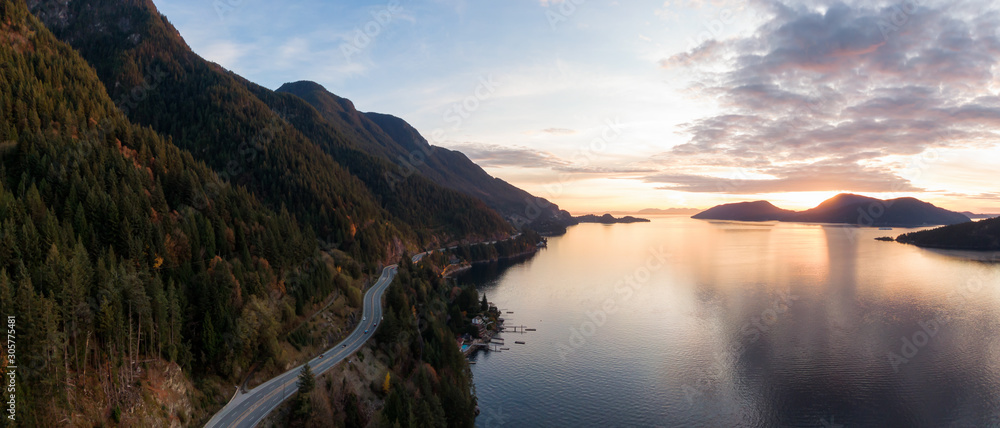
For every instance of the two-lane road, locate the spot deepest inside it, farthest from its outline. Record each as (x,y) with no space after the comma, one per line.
(246,410)
(417,257)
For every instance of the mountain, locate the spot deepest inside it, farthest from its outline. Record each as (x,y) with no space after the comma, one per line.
(167,227)
(127,294)
(975,216)
(669,211)
(844,209)
(393,139)
(866,211)
(608,219)
(243,131)
(981,235)
(744,211)
(430,210)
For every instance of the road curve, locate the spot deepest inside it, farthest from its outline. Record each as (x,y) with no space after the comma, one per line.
(247,409)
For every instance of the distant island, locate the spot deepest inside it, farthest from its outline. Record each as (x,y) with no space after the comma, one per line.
(608,219)
(744,211)
(844,208)
(676,211)
(981,235)
(975,216)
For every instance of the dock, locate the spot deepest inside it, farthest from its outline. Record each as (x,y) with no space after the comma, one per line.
(490,343)
(517,329)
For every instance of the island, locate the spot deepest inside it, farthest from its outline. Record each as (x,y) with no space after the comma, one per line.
(744,211)
(608,219)
(975,216)
(844,208)
(983,235)
(669,211)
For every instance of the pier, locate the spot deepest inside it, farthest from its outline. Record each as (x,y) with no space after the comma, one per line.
(488,342)
(516,329)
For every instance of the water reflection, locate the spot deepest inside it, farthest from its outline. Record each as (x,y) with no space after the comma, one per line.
(746,324)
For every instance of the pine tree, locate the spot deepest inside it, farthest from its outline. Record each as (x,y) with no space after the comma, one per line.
(302,407)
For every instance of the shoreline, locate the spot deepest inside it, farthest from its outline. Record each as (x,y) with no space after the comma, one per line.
(463,267)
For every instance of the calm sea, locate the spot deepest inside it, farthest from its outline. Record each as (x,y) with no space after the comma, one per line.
(683,322)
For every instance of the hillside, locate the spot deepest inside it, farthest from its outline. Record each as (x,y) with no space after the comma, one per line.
(151,267)
(843,209)
(608,219)
(669,211)
(862,210)
(393,139)
(433,212)
(744,211)
(983,235)
(222,120)
(975,216)
(114,277)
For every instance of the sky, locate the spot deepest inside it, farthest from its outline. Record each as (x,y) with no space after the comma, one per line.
(624,105)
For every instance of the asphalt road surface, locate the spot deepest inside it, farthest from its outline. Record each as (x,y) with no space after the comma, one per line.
(247,409)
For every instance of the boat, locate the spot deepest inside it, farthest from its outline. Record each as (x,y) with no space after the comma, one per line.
(519,342)
(529,329)
(504,349)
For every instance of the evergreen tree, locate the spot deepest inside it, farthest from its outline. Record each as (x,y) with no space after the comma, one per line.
(302,405)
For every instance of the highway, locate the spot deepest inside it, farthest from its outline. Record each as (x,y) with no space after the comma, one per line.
(247,409)
(417,257)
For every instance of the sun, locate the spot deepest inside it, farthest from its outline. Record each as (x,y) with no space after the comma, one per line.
(799,200)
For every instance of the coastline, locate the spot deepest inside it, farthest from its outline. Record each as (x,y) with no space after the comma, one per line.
(450,272)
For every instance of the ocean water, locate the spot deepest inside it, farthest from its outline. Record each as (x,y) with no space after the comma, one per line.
(683,322)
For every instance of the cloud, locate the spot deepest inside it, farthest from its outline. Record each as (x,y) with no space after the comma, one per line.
(552,131)
(825,176)
(498,156)
(563,131)
(990,196)
(495,155)
(831,86)
(666,13)
(226,53)
(606,170)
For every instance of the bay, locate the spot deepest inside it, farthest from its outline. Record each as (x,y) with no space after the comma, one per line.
(683,322)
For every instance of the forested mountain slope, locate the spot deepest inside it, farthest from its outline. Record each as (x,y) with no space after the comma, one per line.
(155,77)
(393,139)
(983,235)
(104,260)
(428,209)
